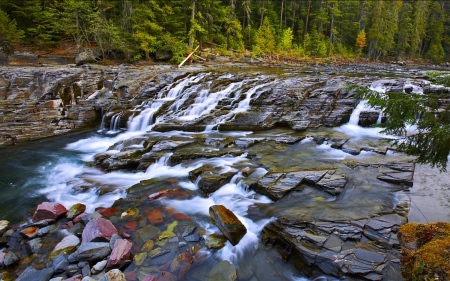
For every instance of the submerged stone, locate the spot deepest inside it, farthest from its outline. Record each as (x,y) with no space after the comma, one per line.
(228,223)
(222,271)
(215,241)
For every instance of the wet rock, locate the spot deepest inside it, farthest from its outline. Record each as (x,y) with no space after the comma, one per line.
(75,210)
(154,216)
(192,238)
(145,234)
(33,274)
(98,267)
(150,278)
(4,224)
(332,183)
(77,277)
(49,210)
(35,245)
(189,231)
(60,263)
(368,118)
(244,143)
(99,229)
(158,194)
(8,258)
(405,178)
(67,245)
(215,241)
(139,258)
(222,271)
(92,251)
(228,223)
(211,181)
(29,232)
(120,253)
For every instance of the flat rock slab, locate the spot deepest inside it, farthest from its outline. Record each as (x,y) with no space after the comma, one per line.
(93,251)
(405,178)
(120,253)
(99,229)
(32,274)
(228,223)
(49,210)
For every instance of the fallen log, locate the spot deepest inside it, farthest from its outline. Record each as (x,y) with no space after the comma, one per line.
(181,64)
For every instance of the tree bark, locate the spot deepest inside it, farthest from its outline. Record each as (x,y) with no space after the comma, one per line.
(191,38)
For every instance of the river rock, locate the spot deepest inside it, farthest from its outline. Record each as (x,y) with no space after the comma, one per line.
(8,258)
(215,241)
(222,271)
(113,275)
(67,245)
(75,210)
(210,179)
(163,55)
(60,263)
(77,277)
(154,216)
(3,226)
(49,210)
(98,229)
(35,245)
(228,223)
(98,267)
(398,173)
(92,251)
(86,56)
(332,183)
(29,232)
(120,253)
(32,274)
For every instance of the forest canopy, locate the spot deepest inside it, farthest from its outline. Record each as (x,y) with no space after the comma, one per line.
(133,29)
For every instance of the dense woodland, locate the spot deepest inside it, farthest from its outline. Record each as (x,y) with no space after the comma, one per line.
(134,29)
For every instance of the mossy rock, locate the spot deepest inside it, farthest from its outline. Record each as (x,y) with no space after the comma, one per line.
(425,251)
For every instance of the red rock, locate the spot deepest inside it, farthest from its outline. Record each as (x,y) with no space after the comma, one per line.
(49,210)
(172,181)
(30,232)
(131,225)
(154,216)
(181,217)
(125,235)
(98,230)
(120,253)
(150,278)
(130,275)
(78,218)
(158,194)
(108,212)
(77,277)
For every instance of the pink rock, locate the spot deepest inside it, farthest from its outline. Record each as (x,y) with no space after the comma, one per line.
(120,253)
(98,230)
(78,218)
(49,210)
(150,278)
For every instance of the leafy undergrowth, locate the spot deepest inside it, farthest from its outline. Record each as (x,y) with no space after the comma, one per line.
(425,251)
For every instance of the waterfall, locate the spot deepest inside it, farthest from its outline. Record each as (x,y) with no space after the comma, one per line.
(114,125)
(102,125)
(354,117)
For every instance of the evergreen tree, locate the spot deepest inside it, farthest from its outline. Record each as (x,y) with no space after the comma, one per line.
(405,28)
(9,34)
(285,44)
(265,39)
(361,41)
(418,31)
(435,29)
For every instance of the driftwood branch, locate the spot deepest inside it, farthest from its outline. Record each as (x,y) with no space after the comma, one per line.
(181,64)
(200,57)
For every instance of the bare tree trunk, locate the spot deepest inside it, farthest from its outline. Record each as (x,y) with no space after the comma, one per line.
(331,33)
(191,38)
(293,16)
(262,13)
(281,15)
(307,18)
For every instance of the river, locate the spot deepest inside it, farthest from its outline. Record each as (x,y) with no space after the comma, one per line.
(61,169)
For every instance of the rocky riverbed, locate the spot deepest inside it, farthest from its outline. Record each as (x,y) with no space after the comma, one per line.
(223,173)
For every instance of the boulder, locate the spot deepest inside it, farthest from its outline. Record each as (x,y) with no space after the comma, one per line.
(228,223)
(75,210)
(67,245)
(120,253)
(86,56)
(49,210)
(98,229)
(93,251)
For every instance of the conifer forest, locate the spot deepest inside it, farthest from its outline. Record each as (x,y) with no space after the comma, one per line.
(134,29)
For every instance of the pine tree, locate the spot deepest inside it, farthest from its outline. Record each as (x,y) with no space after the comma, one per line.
(435,29)
(405,28)
(265,38)
(9,34)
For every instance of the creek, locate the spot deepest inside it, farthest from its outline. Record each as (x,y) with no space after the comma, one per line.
(82,168)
